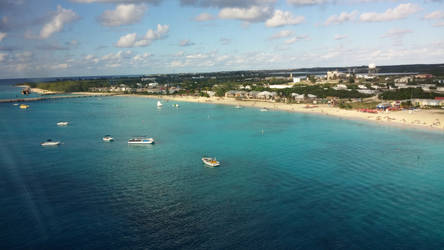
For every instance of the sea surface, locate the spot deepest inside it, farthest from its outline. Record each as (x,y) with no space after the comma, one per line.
(286,180)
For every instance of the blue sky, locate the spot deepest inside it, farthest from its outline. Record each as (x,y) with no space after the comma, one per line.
(102,37)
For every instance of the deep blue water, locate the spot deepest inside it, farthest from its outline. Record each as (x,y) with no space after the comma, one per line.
(307,182)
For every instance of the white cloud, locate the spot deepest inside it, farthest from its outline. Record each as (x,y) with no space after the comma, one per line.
(295,39)
(186,43)
(282,34)
(435,15)
(396,34)
(282,18)
(252,14)
(439,24)
(59,66)
(117,1)
(130,40)
(3,56)
(340,37)
(23,56)
(127,40)
(400,12)
(306,2)
(141,57)
(2,35)
(124,14)
(61,17)
(227,3)
(341,18)
(203,17)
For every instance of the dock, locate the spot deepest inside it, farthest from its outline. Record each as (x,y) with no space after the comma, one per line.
(45,98)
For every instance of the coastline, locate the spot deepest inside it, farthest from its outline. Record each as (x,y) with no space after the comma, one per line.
(432,120)
(420,119)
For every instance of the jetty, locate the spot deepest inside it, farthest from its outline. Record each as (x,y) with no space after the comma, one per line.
(45,98)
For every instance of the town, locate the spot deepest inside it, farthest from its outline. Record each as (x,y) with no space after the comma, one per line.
(360,87)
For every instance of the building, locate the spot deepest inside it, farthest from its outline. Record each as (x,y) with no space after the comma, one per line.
(424,76)
(334,75)
(280,86)
(299,79)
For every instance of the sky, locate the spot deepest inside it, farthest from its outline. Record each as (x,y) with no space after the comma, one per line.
(51,38)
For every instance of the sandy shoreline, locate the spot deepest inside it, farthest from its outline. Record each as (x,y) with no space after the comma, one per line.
(420,119)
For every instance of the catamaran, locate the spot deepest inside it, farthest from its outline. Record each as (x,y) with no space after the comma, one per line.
(211,162)
(141,140)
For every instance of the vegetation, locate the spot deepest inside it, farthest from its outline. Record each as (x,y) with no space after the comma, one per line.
(403,94)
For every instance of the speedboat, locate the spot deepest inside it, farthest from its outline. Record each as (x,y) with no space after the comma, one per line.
(49,142)
(107,138)
(24,106)
(263,110)
(211,162)
(141,140)
(62,123)
(159,104)
(15,104)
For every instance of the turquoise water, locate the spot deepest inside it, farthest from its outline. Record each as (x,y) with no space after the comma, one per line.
(306,182)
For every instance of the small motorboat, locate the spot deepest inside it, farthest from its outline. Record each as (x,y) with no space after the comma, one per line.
(24,106)
(49,142)
(238,107)
(263,110)
(159,104)
(108,138)
(62,123)
(176,105)
(15,104)
(211,162)
(141,140)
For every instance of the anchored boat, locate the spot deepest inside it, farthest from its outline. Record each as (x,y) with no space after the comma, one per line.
(211,162)
(107,138)
(62,123)
(49,142)
(159,104)
(141,140)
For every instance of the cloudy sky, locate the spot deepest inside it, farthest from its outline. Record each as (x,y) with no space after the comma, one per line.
(103,37)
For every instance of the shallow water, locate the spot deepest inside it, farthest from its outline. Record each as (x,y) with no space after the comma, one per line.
(306,182)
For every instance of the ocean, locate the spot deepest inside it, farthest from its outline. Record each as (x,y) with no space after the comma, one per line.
(286,180)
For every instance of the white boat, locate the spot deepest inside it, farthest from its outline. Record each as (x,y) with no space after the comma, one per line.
(211,162)
(49,142)
(176,105)
(141,140)
(62,123)
(263,110)
(238,107)
(107,138)
(159,104)
(15,104)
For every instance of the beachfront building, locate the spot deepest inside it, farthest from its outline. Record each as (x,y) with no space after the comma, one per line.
(298,97)
(266,95)
(252,94)
(428,102)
